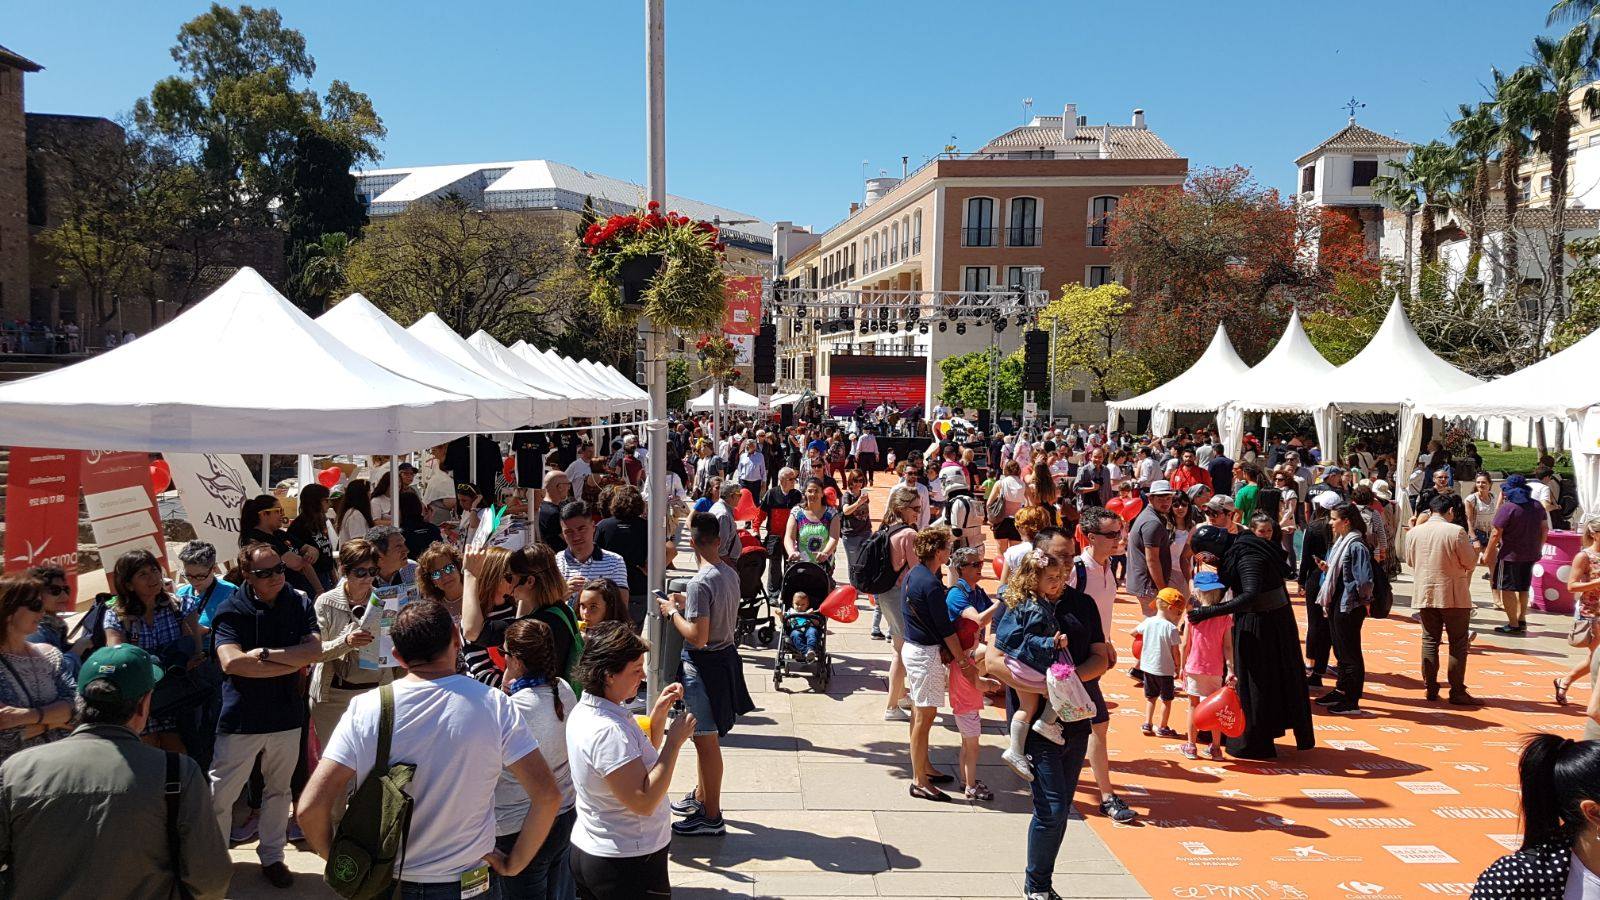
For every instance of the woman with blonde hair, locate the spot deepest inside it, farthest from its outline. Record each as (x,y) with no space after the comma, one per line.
(488,598)
(905,504)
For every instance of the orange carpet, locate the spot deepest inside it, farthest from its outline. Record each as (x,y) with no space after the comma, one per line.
(1407,799)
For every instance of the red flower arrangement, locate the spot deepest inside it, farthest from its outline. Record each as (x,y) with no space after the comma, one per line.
(685,292)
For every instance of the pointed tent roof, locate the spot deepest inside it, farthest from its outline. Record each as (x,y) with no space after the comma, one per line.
(381,339)
(1557,385)
(431,330)
(623,384)
(1395,367)
(1355,137)
(582,399)
(603,395)
(1204,386)
(1281,381)
(331,399)
(736,399)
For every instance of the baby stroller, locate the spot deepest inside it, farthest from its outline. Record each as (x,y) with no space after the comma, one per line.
(755,616)
(809,578)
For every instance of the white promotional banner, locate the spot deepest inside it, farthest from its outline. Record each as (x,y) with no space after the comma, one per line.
(213,486)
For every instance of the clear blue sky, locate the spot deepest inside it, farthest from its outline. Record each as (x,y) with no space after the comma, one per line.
(773,106)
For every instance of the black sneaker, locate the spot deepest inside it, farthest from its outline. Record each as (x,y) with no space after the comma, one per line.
(698,824)
(1117,811)
(1345,708)
(688,806)
(278,875)
(1331,698)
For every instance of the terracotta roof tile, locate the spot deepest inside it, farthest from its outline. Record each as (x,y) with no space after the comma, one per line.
(1355,137)
(1127,142)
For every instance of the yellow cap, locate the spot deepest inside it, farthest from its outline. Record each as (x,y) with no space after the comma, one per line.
(1169,597)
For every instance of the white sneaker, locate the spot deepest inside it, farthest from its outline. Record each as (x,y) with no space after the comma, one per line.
(896,714)
(1050,731)
(905,703)
(1018,764)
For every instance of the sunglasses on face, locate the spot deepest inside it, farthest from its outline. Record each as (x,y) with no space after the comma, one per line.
(278,569)
(362,572)
(34,605)
(1108,535)
(437,574)
(56,590)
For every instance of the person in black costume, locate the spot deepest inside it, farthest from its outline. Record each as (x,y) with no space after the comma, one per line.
(1266,640)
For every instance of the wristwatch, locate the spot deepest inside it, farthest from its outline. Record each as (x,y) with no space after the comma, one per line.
(264,652)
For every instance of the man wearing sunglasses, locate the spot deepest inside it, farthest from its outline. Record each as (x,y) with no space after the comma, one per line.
(264,634)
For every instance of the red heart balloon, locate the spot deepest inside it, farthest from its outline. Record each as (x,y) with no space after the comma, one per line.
(329,477)
(1221,711)
(746,510)
(842,598)
(845,614)
(997,563)
(160,475)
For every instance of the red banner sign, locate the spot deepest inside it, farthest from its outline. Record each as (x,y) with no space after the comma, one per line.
(121,505)
(42,510)
(743,293)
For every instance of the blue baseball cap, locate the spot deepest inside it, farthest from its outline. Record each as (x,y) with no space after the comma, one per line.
(1207,581)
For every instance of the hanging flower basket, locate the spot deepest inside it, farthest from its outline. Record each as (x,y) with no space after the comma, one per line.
(664,265)
(717,355)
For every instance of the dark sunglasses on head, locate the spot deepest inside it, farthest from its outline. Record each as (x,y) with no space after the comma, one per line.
(437,574)
(278,569)
(362,572)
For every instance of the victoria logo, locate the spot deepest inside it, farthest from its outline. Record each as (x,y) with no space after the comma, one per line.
(224,483)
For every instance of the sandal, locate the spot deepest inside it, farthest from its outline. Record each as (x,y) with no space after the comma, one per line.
(1561,692)
(980,792)
(929,793)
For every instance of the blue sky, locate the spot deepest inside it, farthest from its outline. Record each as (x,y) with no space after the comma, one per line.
(773,107)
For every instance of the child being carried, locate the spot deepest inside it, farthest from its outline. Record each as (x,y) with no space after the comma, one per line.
(1027,641)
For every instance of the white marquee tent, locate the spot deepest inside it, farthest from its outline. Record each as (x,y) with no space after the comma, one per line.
(432,330)
(611,376)
(736,399)
(1278,384)
(582,399)
(1200,388)
(140,396)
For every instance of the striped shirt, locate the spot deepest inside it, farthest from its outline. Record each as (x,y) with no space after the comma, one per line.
(603,564)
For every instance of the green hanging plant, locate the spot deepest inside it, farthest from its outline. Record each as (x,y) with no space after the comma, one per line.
(669,263)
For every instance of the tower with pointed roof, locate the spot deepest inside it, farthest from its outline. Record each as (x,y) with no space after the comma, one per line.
(13,185)
(1339,172)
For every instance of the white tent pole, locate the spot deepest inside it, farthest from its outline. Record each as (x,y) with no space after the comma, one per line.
(304,472)
(266,472)
(394,489)
(655,41)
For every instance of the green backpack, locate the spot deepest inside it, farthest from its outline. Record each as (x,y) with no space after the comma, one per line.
(372,833)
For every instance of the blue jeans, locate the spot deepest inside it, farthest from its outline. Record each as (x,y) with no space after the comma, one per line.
(1055,776)
(549,876)
(805,639)
(447,890)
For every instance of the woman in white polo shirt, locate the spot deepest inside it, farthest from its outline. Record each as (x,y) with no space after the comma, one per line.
(619,774)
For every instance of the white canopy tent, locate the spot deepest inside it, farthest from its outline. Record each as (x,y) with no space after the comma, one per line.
(365,328)
(1559,387)
(553,364)
(611,376)
(736,399)
(1278,384)
(1200,388)
(332,398)
(432,330)
(582,398)
(783,399)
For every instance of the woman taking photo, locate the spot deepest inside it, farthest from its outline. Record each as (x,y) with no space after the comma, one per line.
(309,532)
(1347,581)
(812,534)
(441,577)
(354,515)
(929,635)
(534,682)
(620,774)
(1266,640)
(901,520)
(1560,854)
(36,689)
(148,617)
(488,599)
(338,677)
(1015,495)
(261,522)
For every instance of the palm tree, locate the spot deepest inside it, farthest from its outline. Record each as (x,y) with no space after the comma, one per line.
(1573,11)
(1475,133)
(1560,68)
(1510,105)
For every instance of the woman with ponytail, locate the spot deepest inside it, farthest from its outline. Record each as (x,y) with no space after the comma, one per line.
(1560,855)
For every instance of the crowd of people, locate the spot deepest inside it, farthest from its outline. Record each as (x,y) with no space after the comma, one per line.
(505,698)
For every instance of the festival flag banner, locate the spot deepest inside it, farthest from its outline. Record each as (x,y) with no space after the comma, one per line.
(42,510)
(122,505)
(213,487)
(743,317)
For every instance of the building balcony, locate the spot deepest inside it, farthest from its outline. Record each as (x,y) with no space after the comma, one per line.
(1024,236)
(979,236)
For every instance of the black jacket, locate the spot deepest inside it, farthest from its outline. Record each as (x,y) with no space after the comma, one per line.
(1319,540)
(1254,570)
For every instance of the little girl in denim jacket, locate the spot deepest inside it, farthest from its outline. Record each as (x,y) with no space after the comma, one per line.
(1027,641)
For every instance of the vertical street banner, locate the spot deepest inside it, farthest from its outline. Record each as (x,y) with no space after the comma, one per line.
(121,505)
(42,510)
(213,487)
(743,318)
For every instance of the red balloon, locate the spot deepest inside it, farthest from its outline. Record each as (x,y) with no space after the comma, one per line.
(329,477)
(1138,647)
(843,597)
(831,496)
(997,562)
(845,614)
(509,469)
(160,475)
(1221,711)
(746,510)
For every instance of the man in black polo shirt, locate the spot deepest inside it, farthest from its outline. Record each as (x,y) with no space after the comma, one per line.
(557,489)
(264,635)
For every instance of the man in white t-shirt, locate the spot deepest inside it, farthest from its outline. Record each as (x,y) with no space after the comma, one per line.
(579,469)
(452,835)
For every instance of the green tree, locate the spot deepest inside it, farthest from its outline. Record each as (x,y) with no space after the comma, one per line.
(1090,335)
(1476,132)
(241,101)
(677,382)
(1583,291)
(322,215)
(1511,110)
(1426,176)
(966,381)
(510,276)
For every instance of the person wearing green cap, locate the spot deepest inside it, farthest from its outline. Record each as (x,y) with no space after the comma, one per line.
(109,791)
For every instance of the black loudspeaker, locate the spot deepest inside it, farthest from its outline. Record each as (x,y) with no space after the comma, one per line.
(786,415)
(1036,361)
(983,421)
(766,355)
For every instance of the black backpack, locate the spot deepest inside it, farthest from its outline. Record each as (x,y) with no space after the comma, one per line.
(873,570)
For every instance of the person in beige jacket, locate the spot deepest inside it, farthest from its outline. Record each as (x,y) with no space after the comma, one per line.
(338,677)
(1441,558)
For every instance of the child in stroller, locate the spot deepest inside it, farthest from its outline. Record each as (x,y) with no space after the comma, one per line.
(804,627)
(807,580)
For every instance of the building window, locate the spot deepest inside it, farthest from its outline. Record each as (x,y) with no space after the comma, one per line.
(1100,211)
(979,229)
(1023,230)
(1308,179)
(1080,396)
(905,237)
(1524,188)
(1013,278)
(1095,276)
(1362,171)
(916,232)
(976,278)
(1544,184)
(894,242)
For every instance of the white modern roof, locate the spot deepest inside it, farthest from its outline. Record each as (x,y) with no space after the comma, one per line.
(1204,386)
(1284,381)
(544,184)
(1558,385)
(1395,367)
(326,397)
(736,399)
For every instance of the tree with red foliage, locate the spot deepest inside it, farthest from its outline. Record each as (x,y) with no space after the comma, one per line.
(1224,249)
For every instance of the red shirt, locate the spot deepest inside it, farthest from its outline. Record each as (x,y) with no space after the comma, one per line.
(1185,477)
(1126,507)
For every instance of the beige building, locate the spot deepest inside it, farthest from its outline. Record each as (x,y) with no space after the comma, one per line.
(1039,195)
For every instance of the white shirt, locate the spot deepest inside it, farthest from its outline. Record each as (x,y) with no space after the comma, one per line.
(1147,470)
(460,734)
(353,525)
(602,737)
(382,508)
(867,443)
(538,708)
(1101,584)
(1015,492)
(1013,557)
(577,471)
(1582,884)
